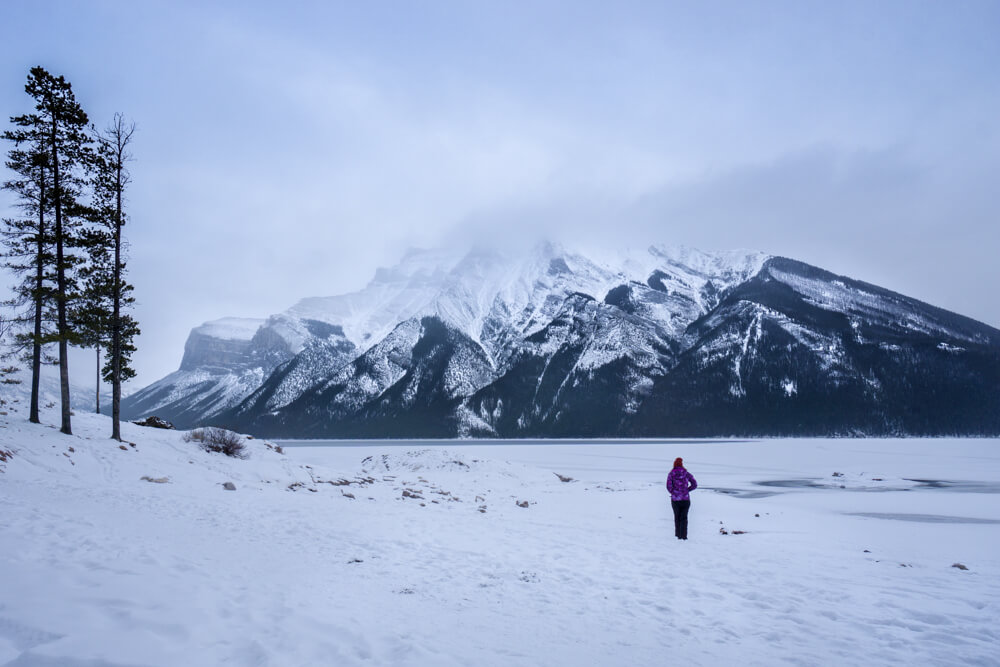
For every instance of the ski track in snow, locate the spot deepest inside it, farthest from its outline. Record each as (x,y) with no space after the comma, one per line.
(101,569)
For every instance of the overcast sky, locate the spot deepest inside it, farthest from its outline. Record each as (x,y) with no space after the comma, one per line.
(287,151)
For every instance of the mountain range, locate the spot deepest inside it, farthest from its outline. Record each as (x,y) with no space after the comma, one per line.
(550,342)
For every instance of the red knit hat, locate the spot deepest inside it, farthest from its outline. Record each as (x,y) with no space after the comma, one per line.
(678,462)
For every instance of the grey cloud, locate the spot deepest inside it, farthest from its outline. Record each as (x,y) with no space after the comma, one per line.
(886,216)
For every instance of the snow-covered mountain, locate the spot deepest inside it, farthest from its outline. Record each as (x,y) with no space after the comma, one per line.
(228,359)
(551,342)
(83,397)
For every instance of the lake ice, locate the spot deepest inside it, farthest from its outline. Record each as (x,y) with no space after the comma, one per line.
(433,553)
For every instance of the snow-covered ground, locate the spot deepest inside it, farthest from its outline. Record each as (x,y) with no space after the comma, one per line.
(422,554)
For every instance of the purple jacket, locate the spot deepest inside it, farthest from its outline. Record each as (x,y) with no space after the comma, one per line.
(680,484)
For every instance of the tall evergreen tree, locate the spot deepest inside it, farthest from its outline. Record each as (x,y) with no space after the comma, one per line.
(28,241)
(91,314)
(111,178)
(61,123)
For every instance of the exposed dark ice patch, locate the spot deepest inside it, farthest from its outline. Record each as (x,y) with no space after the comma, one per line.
(962,486)
(923,518)
(793,484)
(742,493)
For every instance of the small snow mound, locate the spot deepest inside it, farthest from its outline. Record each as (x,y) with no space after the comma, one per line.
(421,459)
(427,461)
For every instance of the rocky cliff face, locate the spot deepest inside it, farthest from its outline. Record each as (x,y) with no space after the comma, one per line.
(797,350)
(584,373)
(227,360)
(407,385)
(553,343)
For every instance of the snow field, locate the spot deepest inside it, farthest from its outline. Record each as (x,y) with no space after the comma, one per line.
(100,568)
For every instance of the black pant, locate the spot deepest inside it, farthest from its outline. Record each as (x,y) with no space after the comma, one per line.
(681,508)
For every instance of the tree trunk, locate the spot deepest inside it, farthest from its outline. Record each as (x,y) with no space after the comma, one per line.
(98,394)
(63,326)
(36,343)
(116,325)
(36,358)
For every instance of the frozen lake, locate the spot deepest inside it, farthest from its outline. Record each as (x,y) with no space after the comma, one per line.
(801,551)
(778,464)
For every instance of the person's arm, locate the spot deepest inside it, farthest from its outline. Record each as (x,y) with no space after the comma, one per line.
(693,483)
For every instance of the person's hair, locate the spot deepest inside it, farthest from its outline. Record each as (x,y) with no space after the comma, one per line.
(678,462)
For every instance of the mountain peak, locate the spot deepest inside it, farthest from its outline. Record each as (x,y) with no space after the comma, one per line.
(549,341)
(230,328)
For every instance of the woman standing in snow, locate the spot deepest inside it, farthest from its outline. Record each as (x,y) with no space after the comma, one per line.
(680,484)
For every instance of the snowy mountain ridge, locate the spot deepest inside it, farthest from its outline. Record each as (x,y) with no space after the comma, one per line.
(553,341)
(466,288)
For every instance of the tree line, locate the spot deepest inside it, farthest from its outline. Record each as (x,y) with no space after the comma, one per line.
(66,247)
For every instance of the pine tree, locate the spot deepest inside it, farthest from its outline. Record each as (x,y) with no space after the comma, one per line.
(111,178)
(61,124)
(91,314)
(28,241)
